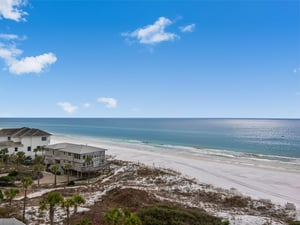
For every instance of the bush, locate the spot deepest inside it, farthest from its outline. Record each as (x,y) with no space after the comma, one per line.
(165,215)
(71,183)
(7,181)
(13,173)
(294,223)
(27,162)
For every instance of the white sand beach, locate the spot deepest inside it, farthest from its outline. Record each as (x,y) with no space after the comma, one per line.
(259,179)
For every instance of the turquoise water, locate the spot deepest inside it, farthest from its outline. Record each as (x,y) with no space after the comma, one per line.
(272,137)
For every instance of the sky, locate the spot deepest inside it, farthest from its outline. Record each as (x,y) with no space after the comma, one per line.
(96,58)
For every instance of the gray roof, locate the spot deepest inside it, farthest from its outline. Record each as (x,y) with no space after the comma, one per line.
(73,148)
(10,221)
(22,132)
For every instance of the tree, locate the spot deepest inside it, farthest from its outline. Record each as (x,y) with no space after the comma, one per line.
(26,182)
(131,219)
(4,155)
(117,217)
(88,161)
(54,169)
(68,167)
(113,217)
(19,157)
(37,149)
(66,204)
(50,201)
(38,159)
(1,196)
(78,200)
(38,168)
(10,194)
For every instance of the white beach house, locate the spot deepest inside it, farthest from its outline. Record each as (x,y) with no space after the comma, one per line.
(23,139)
(77,155)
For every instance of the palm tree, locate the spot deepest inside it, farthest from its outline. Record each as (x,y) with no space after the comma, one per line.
(78,200)
(10,194)
(38,159)
(37,149)
(88,161)
(19,157)
(26,182)
(117,217)
(38,168)
(132,219)
(113,217)
(1,196)
(3,152)
(68,167)
(49,202)
(54,169)
(67,203)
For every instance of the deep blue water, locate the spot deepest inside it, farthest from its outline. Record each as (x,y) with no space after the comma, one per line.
(280,137)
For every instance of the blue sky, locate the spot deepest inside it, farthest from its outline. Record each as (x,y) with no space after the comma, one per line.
(93,58)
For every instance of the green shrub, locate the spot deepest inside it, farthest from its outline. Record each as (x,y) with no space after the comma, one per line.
(294,223)
(13,173)
(71,183)
(165,215)
(7,181)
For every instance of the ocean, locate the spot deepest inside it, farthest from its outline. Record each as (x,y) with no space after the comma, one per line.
(260,138)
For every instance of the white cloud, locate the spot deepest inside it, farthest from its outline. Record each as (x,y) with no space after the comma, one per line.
(109,102)
(154,33)
(86,105)
(67,107)
(10,53)
(9,36)
(11,9)
(188,28)
(32,64)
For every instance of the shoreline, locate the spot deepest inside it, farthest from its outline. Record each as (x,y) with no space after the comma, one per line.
(259,181)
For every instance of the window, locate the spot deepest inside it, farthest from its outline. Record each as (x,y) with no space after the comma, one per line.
(29,148)
(16,149)
(9,138)
(44,138)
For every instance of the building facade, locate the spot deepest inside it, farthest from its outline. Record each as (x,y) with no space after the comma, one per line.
(23,139)
(83,158)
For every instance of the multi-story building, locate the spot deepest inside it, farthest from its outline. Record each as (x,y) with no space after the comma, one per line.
(83,158)
(23,139)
